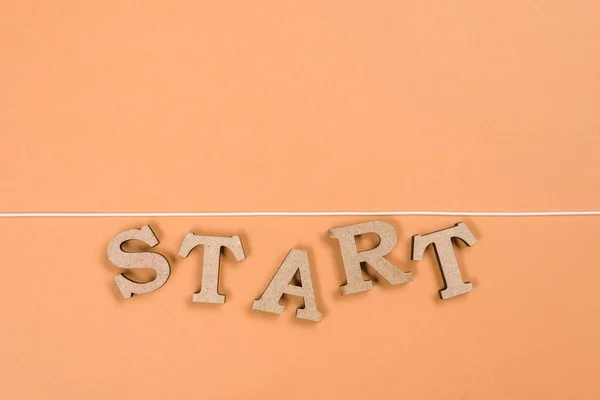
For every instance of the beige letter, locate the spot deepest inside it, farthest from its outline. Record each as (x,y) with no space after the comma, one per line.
(150,260)
(352,258)
(442,243)
(210,265)
(296,260)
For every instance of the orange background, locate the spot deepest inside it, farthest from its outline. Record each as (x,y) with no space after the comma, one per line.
(300,106)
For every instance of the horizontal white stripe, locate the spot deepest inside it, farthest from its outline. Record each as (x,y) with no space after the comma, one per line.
(297,214)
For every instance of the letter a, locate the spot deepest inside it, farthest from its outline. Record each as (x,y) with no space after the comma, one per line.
(296,261)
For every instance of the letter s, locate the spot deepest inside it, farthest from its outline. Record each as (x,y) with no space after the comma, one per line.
(123,259)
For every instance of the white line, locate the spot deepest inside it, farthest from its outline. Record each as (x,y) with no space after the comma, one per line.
(297,214)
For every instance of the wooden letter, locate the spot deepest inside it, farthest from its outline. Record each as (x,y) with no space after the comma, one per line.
(150,260)
(352,258)
(210,265)
(296,260)
(444,251)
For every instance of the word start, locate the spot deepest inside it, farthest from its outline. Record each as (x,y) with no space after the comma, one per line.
(295,268)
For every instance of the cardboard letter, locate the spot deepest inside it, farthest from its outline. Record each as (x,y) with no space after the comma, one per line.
(444,251)
(210,265)
(122,259)
(296,261)
(352,258)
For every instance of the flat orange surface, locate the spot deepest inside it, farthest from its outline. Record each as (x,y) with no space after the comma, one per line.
(300,106)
